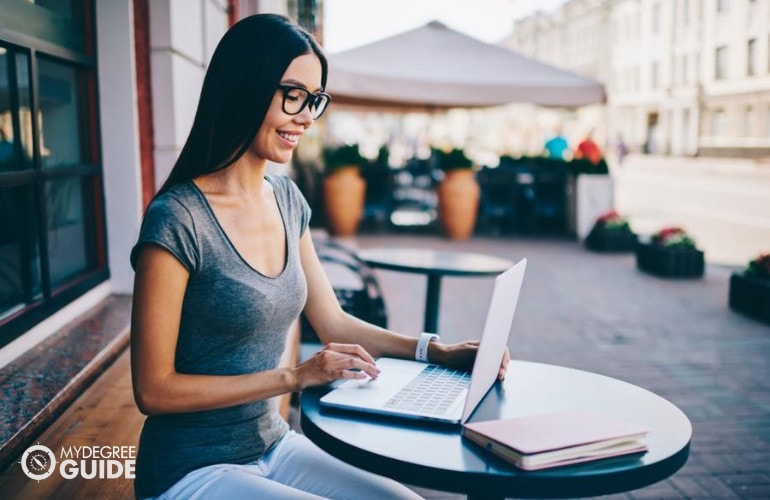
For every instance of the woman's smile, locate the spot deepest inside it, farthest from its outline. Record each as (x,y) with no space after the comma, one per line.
(290,138)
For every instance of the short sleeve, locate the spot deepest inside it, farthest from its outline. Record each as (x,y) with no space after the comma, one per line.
(299,205)
(169,225)
(305,211)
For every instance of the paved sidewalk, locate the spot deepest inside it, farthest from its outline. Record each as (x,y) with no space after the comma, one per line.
(597,312)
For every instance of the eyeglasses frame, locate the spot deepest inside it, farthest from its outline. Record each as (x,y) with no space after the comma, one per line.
(285,89)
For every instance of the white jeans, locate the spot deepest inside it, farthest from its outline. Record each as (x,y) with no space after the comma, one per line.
(294,468)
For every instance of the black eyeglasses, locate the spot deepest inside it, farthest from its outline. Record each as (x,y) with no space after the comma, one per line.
(296,98)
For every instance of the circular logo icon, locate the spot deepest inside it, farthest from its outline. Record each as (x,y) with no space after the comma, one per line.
(38,462)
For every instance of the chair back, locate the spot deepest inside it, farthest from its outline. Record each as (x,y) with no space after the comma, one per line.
(354,284)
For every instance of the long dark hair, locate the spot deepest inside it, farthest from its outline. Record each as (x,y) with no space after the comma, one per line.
(239,86)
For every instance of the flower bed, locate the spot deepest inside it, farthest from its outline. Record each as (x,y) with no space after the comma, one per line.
(611,233)
(671,254)
(750,289)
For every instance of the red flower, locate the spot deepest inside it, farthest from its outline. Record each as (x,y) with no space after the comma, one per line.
(608,215)
(612,220)
(673,236)
(760,266)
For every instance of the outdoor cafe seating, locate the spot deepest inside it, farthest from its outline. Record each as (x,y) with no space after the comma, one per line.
(521,196)
(525,195)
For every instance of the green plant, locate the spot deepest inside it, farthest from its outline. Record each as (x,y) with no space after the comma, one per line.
(760,267)
(383,155)
(673,237)
(583,166)
(575,167)
(342,156)
(451,160)
(611,220)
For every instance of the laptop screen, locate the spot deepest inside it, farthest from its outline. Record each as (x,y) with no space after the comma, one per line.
(502,306)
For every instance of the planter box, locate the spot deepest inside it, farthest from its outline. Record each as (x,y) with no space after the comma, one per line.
(750,295)
(601,239)
(669,262)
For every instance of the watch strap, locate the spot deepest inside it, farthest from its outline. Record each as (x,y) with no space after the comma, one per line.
(421,353)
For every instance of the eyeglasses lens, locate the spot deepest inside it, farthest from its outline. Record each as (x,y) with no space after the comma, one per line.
(294,100)
(319,106)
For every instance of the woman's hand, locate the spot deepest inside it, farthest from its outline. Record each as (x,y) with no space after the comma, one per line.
(335,361)
(462,355)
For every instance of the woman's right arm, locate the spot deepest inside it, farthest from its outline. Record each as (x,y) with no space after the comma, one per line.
(159,289)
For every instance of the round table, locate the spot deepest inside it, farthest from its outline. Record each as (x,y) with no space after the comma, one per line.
(435,264)
(437,456)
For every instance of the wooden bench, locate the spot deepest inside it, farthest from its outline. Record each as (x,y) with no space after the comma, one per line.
(104,415)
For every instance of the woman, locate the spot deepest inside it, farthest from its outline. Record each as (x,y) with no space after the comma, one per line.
(224,263)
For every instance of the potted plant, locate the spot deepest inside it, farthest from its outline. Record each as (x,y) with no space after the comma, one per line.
(750,289)
(458,194)
(671,253)
(344,189)
(611,233)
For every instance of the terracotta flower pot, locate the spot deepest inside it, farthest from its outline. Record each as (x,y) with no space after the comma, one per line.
(344,193)
(458,203)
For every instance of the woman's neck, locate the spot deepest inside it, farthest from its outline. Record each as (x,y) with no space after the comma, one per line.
(242,178)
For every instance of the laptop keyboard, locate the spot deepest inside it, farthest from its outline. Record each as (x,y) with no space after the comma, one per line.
(431,391)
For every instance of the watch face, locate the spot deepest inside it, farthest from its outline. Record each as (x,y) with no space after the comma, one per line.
(38,462)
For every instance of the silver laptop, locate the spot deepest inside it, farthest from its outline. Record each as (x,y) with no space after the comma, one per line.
(423,391)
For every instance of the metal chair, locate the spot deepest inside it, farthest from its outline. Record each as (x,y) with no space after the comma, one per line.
(354,284)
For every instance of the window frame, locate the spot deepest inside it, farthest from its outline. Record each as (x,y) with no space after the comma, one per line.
(721,62)
(57,46)
(751,57)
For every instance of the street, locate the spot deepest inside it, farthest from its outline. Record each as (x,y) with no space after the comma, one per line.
(723,203)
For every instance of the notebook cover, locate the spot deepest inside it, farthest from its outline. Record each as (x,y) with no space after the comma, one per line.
(539,433)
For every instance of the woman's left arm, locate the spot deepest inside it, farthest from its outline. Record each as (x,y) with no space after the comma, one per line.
(333,325)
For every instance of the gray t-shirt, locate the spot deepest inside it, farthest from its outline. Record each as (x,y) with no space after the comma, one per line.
(234,321)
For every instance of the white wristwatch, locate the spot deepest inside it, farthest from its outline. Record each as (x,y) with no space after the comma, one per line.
(421,354)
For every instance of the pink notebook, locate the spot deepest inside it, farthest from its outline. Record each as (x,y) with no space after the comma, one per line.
(551,440)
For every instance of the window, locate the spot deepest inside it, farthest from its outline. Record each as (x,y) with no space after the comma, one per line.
(654,76)
(656,15)
(68,9)
(748,126)
(51,232)
(718,123)
(686,12)
(723,5)
(685,67)
(720,63)
(767,123)
(676,63)
(751,55)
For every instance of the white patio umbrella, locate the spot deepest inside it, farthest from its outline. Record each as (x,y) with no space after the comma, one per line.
(437,67)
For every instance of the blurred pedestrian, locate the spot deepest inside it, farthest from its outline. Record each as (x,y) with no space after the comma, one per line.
(557,146)
(621,148)
(589,150)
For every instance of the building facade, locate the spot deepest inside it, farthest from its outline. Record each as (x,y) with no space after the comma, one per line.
(96,101)
(683,77)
